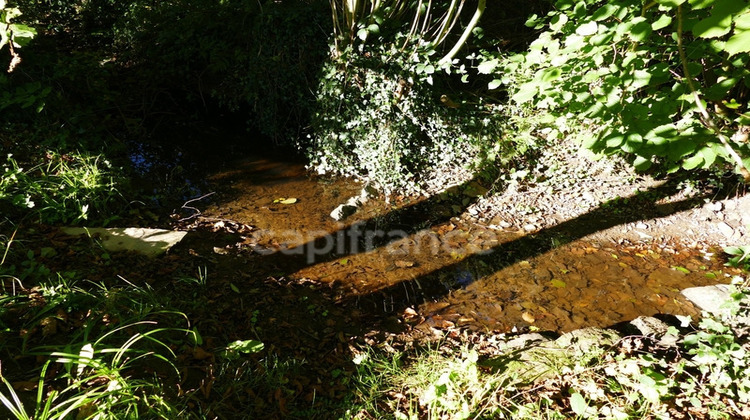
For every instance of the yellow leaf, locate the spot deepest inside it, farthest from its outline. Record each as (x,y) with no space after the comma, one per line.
(288,201)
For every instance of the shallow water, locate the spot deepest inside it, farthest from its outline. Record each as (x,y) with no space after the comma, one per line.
(421,256)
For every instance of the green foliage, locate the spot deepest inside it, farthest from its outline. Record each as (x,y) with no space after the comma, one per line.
(387,115)
(12,34)
(98,371)
(665,82)
(740,256)
(64,188)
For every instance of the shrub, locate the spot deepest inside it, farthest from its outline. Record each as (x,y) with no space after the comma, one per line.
(665,82)
(386,114)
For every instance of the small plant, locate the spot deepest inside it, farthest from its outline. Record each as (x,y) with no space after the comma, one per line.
(740,256)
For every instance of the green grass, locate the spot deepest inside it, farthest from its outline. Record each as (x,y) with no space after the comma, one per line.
(56,187)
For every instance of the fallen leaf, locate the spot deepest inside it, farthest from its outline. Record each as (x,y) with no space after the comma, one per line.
(558,283)
(528,317)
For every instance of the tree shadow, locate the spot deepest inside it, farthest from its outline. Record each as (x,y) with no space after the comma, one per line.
(606,215)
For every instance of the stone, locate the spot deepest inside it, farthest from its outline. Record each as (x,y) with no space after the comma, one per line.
(708,298)
(343,211)
(649,326)
(725,229)
(587,343)
(352,204)
(150,242)
(525,340)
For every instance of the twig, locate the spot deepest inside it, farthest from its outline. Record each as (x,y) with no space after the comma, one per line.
(197,212)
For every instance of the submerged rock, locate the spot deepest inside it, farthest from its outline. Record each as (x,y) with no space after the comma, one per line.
(150,242)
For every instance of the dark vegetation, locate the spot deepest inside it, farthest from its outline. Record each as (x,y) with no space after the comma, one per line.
(93,88)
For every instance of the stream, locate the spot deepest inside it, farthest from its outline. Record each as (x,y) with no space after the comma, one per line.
(426,262)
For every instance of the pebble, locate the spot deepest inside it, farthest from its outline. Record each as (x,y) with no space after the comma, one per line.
(725,229)
(641,225)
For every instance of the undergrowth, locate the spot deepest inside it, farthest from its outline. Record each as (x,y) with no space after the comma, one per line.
(701,376)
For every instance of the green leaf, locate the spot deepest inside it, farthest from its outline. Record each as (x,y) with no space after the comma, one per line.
(670,3)
(693,162)
(362,34)
(742,21)
(604,12)
(494,84)
(701,4)
(551,74)
(588,28)
(662,22)
(681,269)
(640,30)
(738,43)
(526,92)
(641,163)
(234,288)
(558,21)
(709,156)
(487,67)
(578,404)
(713,26)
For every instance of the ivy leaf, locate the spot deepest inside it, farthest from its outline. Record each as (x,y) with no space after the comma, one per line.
(738,43)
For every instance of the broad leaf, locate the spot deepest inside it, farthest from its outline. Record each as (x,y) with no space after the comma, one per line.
(738,43)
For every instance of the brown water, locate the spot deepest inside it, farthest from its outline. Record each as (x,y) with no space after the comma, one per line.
(439,270)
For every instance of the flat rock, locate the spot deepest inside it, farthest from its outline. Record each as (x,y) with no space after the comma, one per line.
(151,242)
(525,340)
(649,326)
(587,342)
(708,298)
(656,329)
